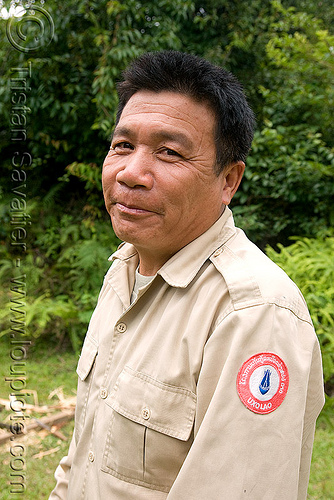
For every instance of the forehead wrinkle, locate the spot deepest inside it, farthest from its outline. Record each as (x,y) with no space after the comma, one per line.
(182,116)
(155,108)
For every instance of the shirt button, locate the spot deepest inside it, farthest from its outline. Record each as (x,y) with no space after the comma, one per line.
(146,413)
(218,252)
(103,393)
(91,456)
(121,327)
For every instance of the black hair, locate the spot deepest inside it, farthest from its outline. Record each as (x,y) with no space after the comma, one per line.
(199,79)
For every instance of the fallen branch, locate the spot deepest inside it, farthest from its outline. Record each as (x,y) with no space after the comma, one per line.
(52,430)
(42,454)
(10,404)
(58,418)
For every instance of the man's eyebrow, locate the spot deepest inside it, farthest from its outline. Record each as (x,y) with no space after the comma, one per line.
(159,135)
(122,131)
(178,137)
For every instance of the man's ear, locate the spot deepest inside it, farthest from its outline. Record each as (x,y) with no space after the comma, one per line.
(232,178)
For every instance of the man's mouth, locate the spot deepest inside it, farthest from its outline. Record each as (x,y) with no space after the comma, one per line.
(129,209)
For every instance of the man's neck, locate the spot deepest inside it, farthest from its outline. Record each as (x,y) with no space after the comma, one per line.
(149,268)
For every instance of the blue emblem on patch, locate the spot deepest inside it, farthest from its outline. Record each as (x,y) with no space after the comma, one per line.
(265,382)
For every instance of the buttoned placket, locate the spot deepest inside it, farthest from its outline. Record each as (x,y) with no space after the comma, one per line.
(119,330)
(122,326)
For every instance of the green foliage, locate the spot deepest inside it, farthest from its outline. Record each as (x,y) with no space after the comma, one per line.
(64,267)
(300,53)
(288,185)
(310,264)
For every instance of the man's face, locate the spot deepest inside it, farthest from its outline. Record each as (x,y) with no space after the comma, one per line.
(158,178)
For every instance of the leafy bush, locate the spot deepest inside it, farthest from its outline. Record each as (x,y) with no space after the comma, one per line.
(64,265)
(288,185)
(310,264)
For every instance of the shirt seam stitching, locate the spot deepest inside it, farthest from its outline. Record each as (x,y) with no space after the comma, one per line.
(233,308)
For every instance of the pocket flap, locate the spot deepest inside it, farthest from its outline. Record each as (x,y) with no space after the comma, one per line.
(165,408)
(87,357)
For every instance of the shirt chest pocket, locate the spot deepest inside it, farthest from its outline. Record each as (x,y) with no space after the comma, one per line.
(150,430)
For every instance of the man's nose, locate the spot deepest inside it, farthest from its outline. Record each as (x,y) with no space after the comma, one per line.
(136,170)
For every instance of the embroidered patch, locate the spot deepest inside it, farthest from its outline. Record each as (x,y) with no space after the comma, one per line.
(262,382)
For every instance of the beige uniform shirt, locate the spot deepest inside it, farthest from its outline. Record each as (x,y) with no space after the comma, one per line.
(159,414)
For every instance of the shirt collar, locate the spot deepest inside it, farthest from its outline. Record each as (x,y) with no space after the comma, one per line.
(181,269)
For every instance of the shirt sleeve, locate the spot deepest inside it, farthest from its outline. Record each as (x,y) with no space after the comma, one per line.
(240,454)
(62,474)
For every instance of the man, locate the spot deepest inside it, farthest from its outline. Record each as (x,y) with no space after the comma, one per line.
(200,375)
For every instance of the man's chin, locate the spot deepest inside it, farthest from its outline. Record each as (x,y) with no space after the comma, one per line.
(131,235)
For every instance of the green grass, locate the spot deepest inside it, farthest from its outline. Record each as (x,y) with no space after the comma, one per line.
(39,473)
(47,369)
(321,485)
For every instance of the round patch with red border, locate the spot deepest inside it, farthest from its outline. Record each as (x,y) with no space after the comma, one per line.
(262,382)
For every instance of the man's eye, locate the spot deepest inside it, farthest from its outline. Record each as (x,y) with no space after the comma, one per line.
(122,146)
(172,152)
